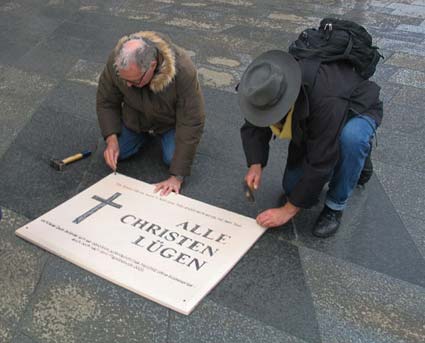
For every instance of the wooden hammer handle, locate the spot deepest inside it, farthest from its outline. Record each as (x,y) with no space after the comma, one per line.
(73,158)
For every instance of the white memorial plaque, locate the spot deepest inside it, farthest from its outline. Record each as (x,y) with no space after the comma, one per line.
(172,250)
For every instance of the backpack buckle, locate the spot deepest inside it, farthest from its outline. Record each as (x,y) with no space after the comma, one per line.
(328,26)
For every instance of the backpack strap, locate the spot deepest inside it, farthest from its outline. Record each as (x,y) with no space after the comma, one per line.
(309,72)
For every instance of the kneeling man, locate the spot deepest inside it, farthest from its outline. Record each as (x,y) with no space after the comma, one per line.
(149,87)
(330,124)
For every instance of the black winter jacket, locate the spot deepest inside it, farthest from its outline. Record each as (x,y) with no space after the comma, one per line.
(320,114)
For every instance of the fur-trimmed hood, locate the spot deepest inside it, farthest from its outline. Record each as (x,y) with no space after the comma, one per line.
(166,72)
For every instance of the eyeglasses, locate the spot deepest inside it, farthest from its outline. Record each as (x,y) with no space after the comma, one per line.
(136,83)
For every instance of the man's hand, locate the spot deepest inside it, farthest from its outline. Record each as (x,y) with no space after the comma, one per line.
(171,185)
(277,216)
(253,176)
(112,151)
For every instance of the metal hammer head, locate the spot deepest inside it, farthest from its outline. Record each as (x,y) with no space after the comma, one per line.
(57,164)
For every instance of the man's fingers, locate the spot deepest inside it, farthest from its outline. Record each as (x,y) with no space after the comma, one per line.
(166,190)
(111,158)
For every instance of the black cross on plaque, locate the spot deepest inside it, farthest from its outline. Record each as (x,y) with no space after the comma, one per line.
(103,203)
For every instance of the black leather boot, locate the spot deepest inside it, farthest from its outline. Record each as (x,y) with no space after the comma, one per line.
(367,170)
(327,223)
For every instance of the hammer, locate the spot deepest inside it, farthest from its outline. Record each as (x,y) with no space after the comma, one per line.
(60,164)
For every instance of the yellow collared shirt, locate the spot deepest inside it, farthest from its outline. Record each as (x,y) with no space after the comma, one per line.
(285,131)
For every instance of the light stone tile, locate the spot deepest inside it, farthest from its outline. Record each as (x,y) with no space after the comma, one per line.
(72,305)
(415,11)
(409,78)
(402,46)
(410,96)
(354,304)
(20,267)
(215,79)
(85,72)
(411,28)
(6,332)
(407,61)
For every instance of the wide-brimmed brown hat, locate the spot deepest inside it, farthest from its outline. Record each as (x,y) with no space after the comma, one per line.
(269,87)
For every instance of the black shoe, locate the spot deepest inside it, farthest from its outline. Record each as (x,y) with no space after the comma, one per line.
(367,171)
(327,223)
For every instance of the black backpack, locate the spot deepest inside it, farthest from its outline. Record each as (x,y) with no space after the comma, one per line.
(335,40)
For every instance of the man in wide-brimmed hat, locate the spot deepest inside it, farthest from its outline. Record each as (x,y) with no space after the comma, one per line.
(329,114)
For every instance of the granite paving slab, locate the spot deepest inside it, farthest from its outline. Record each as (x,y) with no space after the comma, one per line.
(75,98)
(72,305)
(416,228)
(388,91)
(411,78)
(49,63)
(410,96)
(31,186)
(21,338)
(403,118)
(6,332)
(21,266)
(211,323)
(355,304)
(268,285)
(85,72)
(407,61)
(405,188)
(371,235)
(396,148)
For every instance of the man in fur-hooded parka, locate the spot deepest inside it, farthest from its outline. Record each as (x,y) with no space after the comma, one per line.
(149,86)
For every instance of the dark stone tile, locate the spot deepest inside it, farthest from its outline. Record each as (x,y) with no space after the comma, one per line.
(66,45)
(20,94)
(211,322)
(30,185)
(146,165)
(268,285)
(384,72)
(354,304)
(221,139)
(371,235)
(41,60)
(116,24)
(402,118)
(388,91)
(219,183)
(72,305)
(15,49)
(396,148)
(416,228)
(405,188)
(73,97)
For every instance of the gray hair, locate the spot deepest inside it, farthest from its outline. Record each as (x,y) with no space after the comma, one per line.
(142,55)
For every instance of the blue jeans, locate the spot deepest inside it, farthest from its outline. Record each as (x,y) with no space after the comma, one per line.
(130,142)
(355,144)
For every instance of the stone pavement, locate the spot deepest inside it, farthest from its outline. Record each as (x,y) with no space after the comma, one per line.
(366,284)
